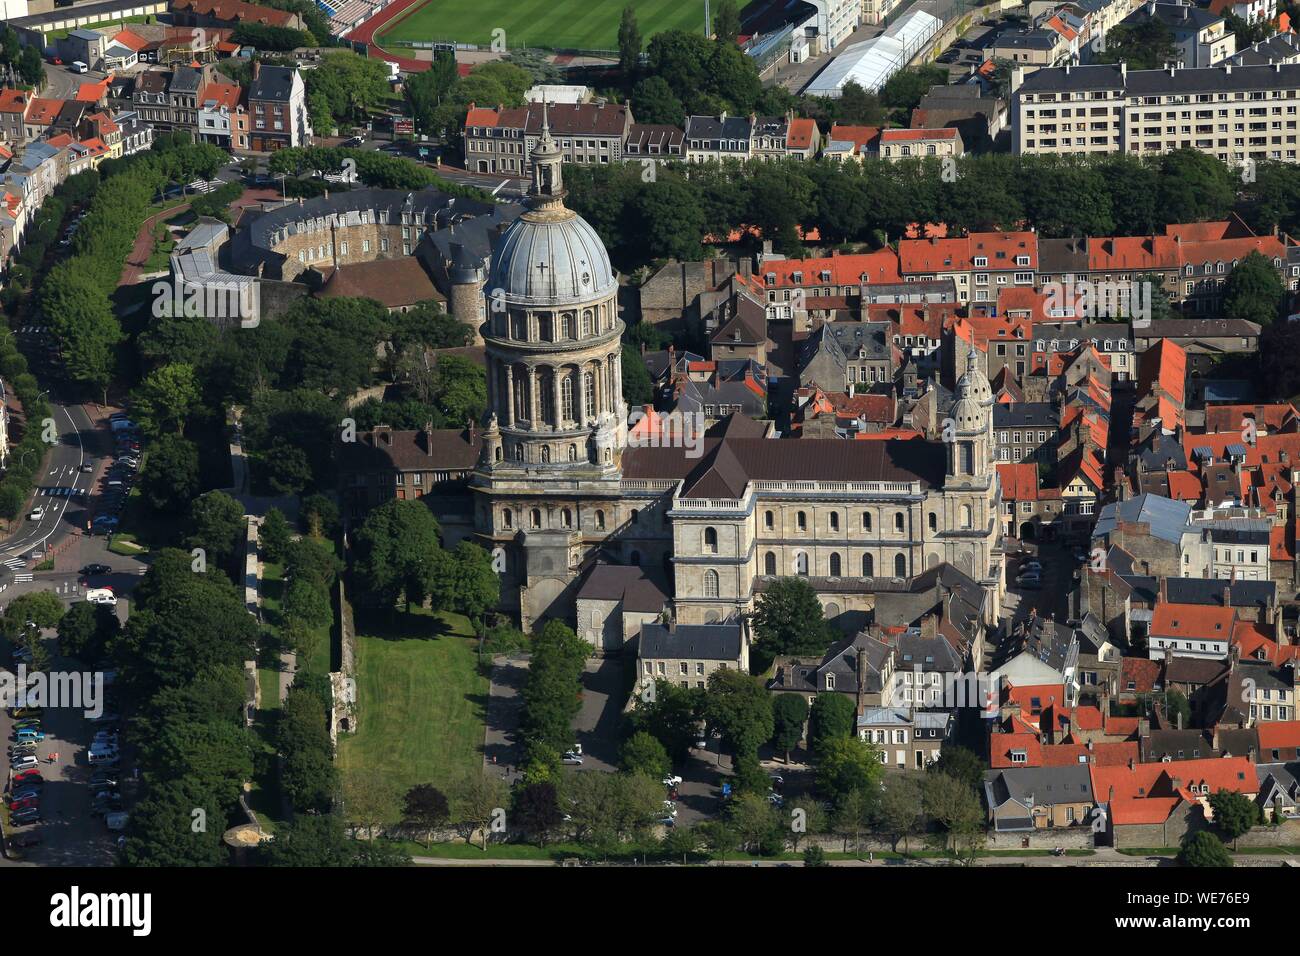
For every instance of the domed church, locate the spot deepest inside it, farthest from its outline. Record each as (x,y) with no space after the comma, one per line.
(558,489)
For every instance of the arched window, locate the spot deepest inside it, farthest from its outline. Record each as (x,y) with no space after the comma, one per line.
(801,563)
(589,394)
(600,521)
(566,518)
(535,518)
(934,521)
(566,325)
(835,565)
(635,513)
(835,521)
(586,323)
(802,521)
(769,563)
(866,521)
(497,455)
(507,519)
(965,516)
(566,398)
(868,566)
(769,520)
(900,565)
(711,540)
(710,583)
(898,521)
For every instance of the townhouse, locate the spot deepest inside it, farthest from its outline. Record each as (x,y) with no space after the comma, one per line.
(591,134)
(1235,113)
(716,138)
(898,144)
(980,264)
(277,109)
(688,654)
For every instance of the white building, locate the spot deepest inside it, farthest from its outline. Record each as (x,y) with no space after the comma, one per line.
(871,63)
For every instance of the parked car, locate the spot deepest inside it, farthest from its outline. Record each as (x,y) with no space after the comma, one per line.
(25,841)
(96,569)
(24,762)
(672,780)
(31,778)
(25,816)
(571,759)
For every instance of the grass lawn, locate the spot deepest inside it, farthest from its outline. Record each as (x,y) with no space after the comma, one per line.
(421,702)
(579,24)
(117,21)
(160,259)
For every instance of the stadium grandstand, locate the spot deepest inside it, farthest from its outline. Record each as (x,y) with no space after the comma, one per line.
(346,15)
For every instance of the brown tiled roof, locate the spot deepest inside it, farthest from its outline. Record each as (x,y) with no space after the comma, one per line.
(566,119)
(812,459)
(393,283)
(439,449)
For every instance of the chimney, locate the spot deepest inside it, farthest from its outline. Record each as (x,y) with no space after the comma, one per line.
(1227,595)
(1164,590)
(257,68)
(1227,69)
(862,682)
(1123,71)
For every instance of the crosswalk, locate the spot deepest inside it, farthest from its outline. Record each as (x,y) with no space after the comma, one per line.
(32,330)
(24,578)
(202,186)
(57,491)
(15,564)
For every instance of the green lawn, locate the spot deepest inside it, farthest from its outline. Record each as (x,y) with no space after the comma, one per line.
(421,701)
(578,24)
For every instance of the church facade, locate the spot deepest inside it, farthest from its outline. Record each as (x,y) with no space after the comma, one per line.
(560,487)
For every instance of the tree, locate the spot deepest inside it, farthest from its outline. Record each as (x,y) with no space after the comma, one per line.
(86,631)
(1194,187)
(814,855)
(475,800)
(629,45)
(397,549)
(1177,710)
(537,810)
(654,99)
(217,525)
(852,817)
(464,580)
(41,608)
(680,841)
(1203,849)
(899,810)
(170,478)
(832,717)
(1235,814)
(425,809)
(670,714)
(637,387)
(311,840)
(726,22)
(274,535)
(308,775)
(642,753)
(1253,290)
(951,803)
(720,838)
(741,708)
(789,713)
(754,820)
(165,399)
(847,764)
(789,619)
(961,763)
(551,693)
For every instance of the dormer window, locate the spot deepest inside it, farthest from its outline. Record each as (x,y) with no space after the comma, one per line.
(830,681)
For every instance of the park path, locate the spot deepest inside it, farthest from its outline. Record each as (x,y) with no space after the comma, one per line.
(143,247)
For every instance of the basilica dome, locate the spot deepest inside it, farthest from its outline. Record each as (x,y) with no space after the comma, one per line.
(551,259)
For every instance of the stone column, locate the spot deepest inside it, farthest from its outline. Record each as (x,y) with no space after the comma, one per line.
(580,395)
(510,395)
(555,391)
(533,394)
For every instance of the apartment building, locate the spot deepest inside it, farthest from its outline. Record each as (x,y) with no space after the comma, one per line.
(222,117)
(1200,37)
(1025,432)
(169,99)
(277,108)
(588,134)
(13,114)
(1234,113)
(657,141)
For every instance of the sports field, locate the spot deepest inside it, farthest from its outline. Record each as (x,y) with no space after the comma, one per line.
(570,24)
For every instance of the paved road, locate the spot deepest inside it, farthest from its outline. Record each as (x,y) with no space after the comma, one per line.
(501,725)
(59,490)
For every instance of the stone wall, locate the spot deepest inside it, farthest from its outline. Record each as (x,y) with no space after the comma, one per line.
(343,684)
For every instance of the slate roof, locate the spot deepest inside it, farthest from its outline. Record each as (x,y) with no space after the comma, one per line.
(640,589)
(1167,518)
(710,642)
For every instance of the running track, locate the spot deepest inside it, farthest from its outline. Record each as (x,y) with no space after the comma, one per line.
(366,34)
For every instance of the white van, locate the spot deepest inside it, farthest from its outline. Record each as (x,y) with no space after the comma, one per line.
(101,596)
(79,67)
(102,756)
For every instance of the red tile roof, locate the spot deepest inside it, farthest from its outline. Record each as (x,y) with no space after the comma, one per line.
(131,41)
(1019,482)
(1192,621)
(225,94)
(13,101)
(859,136)
(799,135)
(845,270)
(43,112)
(1141,672)
(1184,486)
(1278,733)
(1148,793)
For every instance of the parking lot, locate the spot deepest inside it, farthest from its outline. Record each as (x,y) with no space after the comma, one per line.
(70,835)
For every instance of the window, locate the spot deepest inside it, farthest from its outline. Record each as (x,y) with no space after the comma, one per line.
(802,521)
(934,521)
(868,566)
(507,519)
(566,518)
(835,521)
(801,563)
(866,521)
(710,583)
(711,540)
(600,521)
(535,518)
(769,521)
(900,566)
(965,516)
(769,563)
(835,565)
(898,521)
